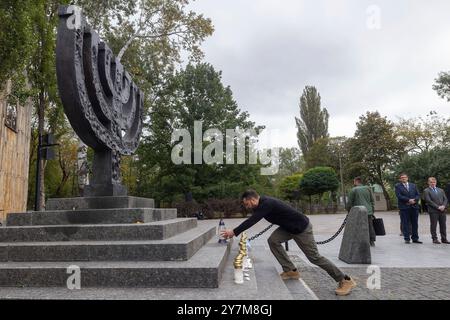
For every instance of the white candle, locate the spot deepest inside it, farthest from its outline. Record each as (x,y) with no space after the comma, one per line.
(238,276)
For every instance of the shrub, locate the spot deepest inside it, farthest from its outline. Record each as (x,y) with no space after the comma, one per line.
(318,181)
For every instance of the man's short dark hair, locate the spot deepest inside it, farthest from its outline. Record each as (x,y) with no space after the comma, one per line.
(250,194)
(402,174)
(358,179)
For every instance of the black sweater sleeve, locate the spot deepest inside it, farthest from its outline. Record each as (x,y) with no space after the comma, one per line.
(259,213)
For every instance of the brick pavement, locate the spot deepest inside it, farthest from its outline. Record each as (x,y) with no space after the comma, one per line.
(408,272)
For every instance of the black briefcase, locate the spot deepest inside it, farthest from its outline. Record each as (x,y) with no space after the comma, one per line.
(378,225)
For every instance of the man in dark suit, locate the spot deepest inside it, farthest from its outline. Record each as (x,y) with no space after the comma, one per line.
(437,203)
(408,199)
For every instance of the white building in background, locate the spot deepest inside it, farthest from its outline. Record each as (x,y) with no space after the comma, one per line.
(380,200)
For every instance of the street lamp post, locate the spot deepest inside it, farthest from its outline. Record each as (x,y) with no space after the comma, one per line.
(45,143)
(342,178)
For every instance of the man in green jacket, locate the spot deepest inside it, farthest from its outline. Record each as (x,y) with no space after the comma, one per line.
(361,195)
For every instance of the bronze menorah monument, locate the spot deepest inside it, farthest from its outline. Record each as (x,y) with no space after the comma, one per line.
(101,101)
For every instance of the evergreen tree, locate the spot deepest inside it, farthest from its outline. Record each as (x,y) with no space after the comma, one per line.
(313,122)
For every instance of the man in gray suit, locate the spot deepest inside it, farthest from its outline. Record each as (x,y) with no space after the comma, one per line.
(437,203)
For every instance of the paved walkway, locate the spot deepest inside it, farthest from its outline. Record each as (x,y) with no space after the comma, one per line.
(414,271)
(406,271)
(390,250)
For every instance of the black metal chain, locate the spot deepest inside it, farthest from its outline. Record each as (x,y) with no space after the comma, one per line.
(317,242)
(334,235)
(260,233)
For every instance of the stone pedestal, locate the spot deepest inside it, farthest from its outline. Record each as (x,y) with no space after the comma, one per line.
(105,176)
(355,246)
(99,203)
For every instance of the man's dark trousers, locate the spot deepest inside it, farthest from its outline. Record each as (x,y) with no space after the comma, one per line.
(434,218)
(307,244)
(410,216)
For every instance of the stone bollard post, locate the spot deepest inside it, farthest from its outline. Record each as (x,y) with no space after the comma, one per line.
(355,246)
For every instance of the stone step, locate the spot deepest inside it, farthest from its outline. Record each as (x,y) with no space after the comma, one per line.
(99,203)
(180,247)
(90,216)
(98,232)
(203,270)
(267,270)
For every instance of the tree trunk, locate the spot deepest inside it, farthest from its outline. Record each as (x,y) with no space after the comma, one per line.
(385,193)
(65,177)
(41,120)
(386,196)
(62,183)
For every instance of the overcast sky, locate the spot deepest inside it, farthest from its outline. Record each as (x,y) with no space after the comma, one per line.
(268,51)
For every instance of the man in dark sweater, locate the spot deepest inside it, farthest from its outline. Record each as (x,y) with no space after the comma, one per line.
(293,225)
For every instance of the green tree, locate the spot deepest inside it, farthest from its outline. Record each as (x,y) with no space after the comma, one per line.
(374,149)
(149,37)
(313,122)
(27,57)
(290,162)
(317,181)
(423,134)
(331,152)
(430,163)
(340,160)
(289,187)
(15,37)
(193,94)
(319,155)
(328,152)
(41,75)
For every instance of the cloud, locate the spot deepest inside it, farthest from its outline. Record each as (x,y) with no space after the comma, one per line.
(269,50)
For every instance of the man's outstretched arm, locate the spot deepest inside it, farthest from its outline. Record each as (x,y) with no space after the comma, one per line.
(256,216)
